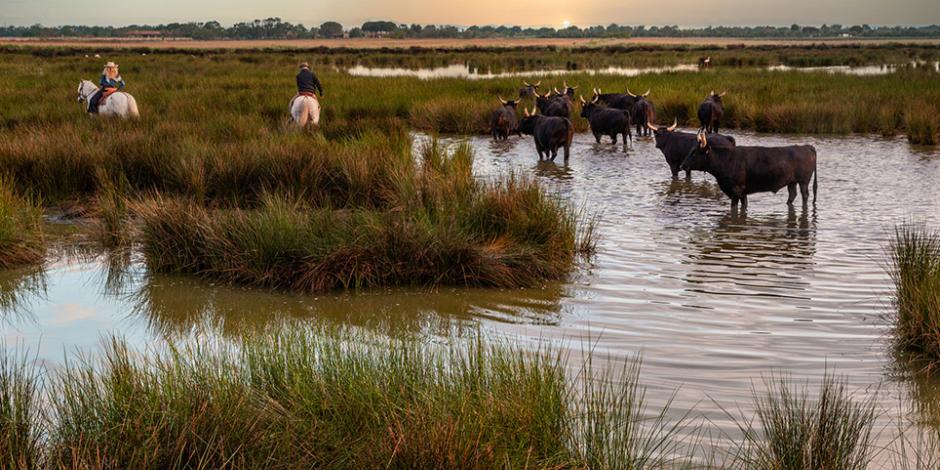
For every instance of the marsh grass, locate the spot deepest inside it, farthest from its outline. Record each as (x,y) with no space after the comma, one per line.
(796,428)
(923,123)
(20,424)
(435,224)
(21,238)
(305,397)
(914,256)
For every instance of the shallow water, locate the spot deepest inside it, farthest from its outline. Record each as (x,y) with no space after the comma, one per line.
(711,300)
(468,72)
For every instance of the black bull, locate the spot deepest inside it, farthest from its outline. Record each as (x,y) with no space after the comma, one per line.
(559,106)
(744,170)
(550,134)
(503,121)
(607,121)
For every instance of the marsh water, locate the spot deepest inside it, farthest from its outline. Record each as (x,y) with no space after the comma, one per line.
(711,300)
(478,72)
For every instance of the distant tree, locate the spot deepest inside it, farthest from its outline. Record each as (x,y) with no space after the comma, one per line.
(355,33)
(331,29)
(379,27)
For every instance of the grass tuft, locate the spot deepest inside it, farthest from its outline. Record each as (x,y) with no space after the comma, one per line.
(915,269)
(21,238)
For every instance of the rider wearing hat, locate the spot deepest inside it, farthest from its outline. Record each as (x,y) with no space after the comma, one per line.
(110,82)
(307,82)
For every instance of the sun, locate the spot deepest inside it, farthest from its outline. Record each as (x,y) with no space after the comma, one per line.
(566,24)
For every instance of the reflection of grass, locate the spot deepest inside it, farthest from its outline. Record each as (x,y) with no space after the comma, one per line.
(794,431)
(915,269)
(21,240)
(301,398)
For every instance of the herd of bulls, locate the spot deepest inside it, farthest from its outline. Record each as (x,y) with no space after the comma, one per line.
(738,170)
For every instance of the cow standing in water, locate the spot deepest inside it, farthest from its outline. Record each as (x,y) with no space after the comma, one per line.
(743,170)
(553,105)
(675,146)
(503,122)
(614,100)
(710,113)
(606,121)
(643,113)
(550,134)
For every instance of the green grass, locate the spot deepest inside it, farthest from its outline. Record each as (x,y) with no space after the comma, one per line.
(915,269)
(434,224)
(20,425)
(798,429)
(21,240)
(923,124)
(303,397)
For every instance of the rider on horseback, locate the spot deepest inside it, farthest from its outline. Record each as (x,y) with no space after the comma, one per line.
(307,82)
(110,82)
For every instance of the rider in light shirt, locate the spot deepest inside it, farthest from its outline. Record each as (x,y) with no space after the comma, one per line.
(110,81)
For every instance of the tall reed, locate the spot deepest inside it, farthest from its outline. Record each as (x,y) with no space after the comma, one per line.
(915,269)
(21,239)
(20,423)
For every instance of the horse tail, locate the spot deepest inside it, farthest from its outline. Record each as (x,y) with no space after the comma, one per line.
(132,110)
(314,111)
(302,114)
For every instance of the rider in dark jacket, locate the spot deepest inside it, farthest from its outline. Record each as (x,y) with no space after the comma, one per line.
(307,81)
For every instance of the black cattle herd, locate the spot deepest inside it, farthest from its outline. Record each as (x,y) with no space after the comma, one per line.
(739,170)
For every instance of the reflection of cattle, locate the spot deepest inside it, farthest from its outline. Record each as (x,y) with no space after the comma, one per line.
(553,105)
(606,121)
(614,100)
(740,171)
(676,145)
(528,90)
(643,113)
(503,122)
(710,112)
(550,134)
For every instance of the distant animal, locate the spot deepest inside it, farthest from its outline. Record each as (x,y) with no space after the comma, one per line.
(305,110)
(606,121)
(743,170)
(705,62)
(643,113)
(119,104)
(568,90)
(675,146)
(503,121)
(528,90)
(710,113)
(550,133)
(553,105)
(614,100)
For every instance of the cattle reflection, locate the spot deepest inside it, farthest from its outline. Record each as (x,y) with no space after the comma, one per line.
(767,246)
(177,305)
(551,170)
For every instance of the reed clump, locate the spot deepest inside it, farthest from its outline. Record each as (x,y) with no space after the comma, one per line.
(21,238)
(438,225)
(304,397)
(20,424)
(797,428)
(923,124)
(914,256)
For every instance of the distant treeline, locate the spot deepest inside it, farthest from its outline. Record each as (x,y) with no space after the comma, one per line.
(275,28)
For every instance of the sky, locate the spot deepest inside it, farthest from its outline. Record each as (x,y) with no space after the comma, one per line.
(555,13)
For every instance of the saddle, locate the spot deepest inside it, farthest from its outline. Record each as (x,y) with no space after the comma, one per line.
(105,94)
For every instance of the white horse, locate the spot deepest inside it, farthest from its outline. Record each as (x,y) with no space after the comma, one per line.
(305,110)
(120,103)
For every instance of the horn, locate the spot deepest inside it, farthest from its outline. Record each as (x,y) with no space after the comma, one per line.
(702,141)
(596,99)
(582,99)
(647,93)
(723,94)
(575,87)
(538,84)
(565,82)
(652,127)
(526,109)
(675,124)
(501,100)
(631,94)
(526,83)
(556,91)
(712,93)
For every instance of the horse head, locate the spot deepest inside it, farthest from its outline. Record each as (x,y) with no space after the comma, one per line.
(85,90)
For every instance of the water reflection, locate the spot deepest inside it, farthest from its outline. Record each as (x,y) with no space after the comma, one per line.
(467,71)
(552,170)
(20,290)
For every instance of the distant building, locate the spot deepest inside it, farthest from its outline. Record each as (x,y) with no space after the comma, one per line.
(376,34)
(143,34)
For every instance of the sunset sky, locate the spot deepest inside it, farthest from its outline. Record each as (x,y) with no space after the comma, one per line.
(462,12)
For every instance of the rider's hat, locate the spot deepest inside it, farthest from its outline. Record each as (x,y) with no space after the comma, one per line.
(304,65)
(110,65)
